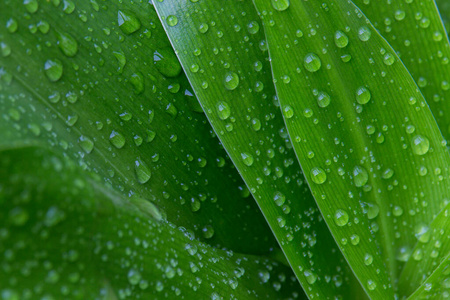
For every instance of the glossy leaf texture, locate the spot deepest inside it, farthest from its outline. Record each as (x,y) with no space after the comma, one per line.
(373,154)
(428,262)
(223,52)
(444,9)
(100,82)
(64,236)
(416,32)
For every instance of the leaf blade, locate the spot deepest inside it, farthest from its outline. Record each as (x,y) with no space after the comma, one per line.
(232,80)
(349,135)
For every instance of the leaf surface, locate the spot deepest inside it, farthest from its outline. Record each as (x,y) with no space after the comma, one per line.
(416,32)
(99,82)
(64,235)
(223,52)
(362,131)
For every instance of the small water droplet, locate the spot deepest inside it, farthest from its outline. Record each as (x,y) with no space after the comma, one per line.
(363,95)
(143,173)
(247,158)
(172,20)
(364,33)
(117,139)
(280,5)
(340,39)
(223,110)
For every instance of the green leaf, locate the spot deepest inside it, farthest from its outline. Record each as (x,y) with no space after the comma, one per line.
(99,82)
(428,258)
(371,149)
(64,235)
(444,9)
(223,51)
(415,30)
(437,285)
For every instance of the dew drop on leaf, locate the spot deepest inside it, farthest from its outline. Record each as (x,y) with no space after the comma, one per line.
(223,110)
(143,173)
(360,176)
(312,62)
(280,5)
(340,39)
(420,145)
(364,33)
(53,69)
(341,217)
(128,22)
(363,95)
(231,81)
(318,175)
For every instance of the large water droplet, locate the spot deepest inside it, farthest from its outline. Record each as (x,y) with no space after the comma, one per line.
(67,44)
(128,21)
(247,158)
(172,20)
(323,99)
(360,176)
(143,173)
(279,198)
(53,69)
(312,62)
(117,139)
(363,95)
(318,175)
(340,39)
(341,217)
(86,144)
(420,145)
(223,110)
(364,33)
(280,5)
(231,81)
(166,62)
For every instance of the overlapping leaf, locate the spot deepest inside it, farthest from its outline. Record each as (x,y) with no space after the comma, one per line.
(223,51)
(415,30)
(99,82)
(64,236)
(362,131)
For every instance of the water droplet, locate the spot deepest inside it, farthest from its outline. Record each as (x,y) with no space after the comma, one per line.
(312,62)
(279,198)
(231,81)
(253,27)
(67,44)
(388,173)
(128,22)
(422,233)
(12,25)
(166,62)
(31,5)
(137,81)
(247,158)
(371,285)
(318,175)
(364,33)
(310,276)
(86,144)
(341,217)
(288,112)
(172,20)
(208,232)
(68,6)
(388,59)
(53,69)
(372,210)
(360,176)
(117,139)
(143,173)
(134,276)
(363,95)
(420,145)
(323,99)
(256,124)
(354,239)
(340,39)
(203,28)
(368,259)
(280,5)
(223,110)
